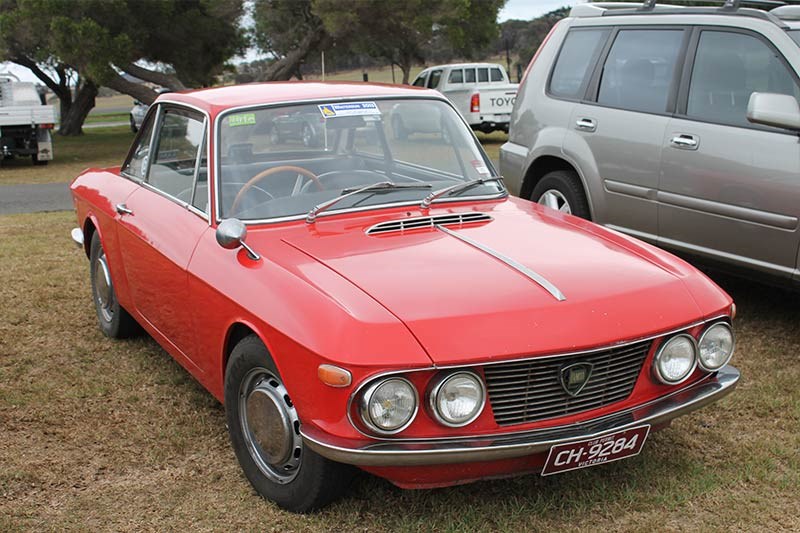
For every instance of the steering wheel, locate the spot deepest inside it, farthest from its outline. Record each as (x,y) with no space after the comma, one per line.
(269,172)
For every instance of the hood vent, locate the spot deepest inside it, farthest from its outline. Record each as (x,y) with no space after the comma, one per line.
(428,222)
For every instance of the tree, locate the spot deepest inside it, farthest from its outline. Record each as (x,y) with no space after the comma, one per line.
(83,44)
(402,32)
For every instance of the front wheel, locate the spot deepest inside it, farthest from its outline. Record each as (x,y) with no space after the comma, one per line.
(264,430)
(562,190)
(114,321)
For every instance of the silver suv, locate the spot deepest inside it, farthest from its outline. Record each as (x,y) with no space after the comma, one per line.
(677,125)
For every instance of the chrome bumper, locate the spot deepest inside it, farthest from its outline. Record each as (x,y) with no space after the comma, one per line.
(462,450)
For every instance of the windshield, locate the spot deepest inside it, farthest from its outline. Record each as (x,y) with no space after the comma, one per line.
(283,161)
(795,35)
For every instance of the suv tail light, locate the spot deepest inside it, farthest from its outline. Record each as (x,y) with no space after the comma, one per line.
(538,51)
(475,103)
(47,126)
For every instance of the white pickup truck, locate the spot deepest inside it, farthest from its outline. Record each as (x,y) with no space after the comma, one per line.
(481,92)
(25,124)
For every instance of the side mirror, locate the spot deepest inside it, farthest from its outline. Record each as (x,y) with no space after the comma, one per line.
(777,110)
(231,234)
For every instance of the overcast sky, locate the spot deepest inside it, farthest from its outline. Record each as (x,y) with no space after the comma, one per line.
(514,9)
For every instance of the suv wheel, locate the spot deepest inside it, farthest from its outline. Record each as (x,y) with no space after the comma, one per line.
(562,190)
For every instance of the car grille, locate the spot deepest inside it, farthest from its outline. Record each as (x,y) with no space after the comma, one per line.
(427,222)
(531,390)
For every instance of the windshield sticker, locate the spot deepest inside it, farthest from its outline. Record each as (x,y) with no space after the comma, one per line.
(480,167)
(242,119)
(349,109)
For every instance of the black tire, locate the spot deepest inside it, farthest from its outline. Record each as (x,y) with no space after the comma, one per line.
(36,161)
(114,320)
(134,129)
(310,481)
(568,184)
(307,134)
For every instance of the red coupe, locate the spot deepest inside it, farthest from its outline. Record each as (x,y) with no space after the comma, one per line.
(366,299)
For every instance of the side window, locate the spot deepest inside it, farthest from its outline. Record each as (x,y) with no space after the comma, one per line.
(497,75)
(574,59)
(483,74)
(420,81)
(136,166)
(433,81)
(456,76)
(639,70)
(728,68)
(177,145)
(469,75)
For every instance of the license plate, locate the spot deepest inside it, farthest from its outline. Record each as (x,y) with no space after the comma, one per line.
(596,451)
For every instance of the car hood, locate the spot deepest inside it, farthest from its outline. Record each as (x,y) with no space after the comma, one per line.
(464,304)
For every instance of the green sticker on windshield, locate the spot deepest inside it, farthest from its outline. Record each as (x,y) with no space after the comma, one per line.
(242,119)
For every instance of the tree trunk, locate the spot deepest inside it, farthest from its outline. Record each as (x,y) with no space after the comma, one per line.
(165,80)
(284,68)
(406,68)
(72,122)
(141,92)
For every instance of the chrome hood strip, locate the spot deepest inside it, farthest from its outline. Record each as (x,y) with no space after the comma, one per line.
(522,269)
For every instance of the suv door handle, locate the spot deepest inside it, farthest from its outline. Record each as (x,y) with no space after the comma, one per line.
(586,124)
(122,209)
(685,142)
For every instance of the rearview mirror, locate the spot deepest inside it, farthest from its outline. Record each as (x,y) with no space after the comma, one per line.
(777,110)
(231,233)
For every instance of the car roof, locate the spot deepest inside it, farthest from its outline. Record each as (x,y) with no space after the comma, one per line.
(464,65)
(217,99)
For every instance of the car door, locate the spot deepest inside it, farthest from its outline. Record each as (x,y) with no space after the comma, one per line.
(729,189)
(617,131)
(160,227)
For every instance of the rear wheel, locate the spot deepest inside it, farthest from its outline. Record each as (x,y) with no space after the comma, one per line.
(398,129)
(38,162)
(308,136)
(265,435)
(134,129)
(114,321)
(562,190)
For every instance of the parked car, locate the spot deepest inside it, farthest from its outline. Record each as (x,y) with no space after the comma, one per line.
(26,122)
(677,125)
(139,110)
(304,127)
(481,92)
(367,301)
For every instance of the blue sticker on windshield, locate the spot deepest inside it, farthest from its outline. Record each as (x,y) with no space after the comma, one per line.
(349,109)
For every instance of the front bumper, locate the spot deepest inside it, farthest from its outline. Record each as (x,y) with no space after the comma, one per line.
(469,449)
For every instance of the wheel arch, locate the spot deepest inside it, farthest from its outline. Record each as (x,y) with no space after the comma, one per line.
(543,165)
(89,229)
(237,331)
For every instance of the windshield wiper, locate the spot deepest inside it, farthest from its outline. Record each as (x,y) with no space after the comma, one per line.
(456,189)
(346,193)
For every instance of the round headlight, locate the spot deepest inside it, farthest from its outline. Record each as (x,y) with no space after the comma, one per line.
(715,347)
(675,359)
(458,399)
(389,406)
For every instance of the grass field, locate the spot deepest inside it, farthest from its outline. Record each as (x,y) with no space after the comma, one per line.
(114,435)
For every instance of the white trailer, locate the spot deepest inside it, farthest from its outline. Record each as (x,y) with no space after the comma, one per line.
(25,123)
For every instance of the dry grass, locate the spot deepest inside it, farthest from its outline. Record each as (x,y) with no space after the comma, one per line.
(98,147)
(107,435)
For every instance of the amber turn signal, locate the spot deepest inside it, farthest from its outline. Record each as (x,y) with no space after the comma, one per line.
(334,376)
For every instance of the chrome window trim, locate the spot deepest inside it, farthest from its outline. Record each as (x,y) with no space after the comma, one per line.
(198,160)
(384,374)
(218,169)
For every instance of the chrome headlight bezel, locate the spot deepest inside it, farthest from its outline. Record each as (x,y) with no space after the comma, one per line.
(366,398)
(700,361)
(657,372)
(438,385)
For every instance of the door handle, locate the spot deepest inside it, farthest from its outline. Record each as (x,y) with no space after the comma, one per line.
(586,124)
(122,209)
(685,142)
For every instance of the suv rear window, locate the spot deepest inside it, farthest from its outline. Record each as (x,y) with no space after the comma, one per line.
(573,62)
(639,70)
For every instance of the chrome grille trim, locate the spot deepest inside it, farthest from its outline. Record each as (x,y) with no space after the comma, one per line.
(449,219)
(530,390)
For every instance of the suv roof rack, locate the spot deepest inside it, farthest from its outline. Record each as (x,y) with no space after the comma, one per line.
(651,7)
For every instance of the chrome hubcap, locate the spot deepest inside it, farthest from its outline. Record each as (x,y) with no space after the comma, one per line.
(103,291)
(270,426)
(306,135)
(553,199)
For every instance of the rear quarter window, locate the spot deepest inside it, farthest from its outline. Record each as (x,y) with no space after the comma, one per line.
(572,67)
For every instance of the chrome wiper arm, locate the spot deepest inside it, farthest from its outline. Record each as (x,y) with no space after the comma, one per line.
(346,193)
(457,188)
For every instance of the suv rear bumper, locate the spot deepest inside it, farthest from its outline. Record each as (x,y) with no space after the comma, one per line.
(462,450)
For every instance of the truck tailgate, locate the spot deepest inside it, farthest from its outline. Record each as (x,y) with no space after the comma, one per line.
(26,115)
(498,101)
